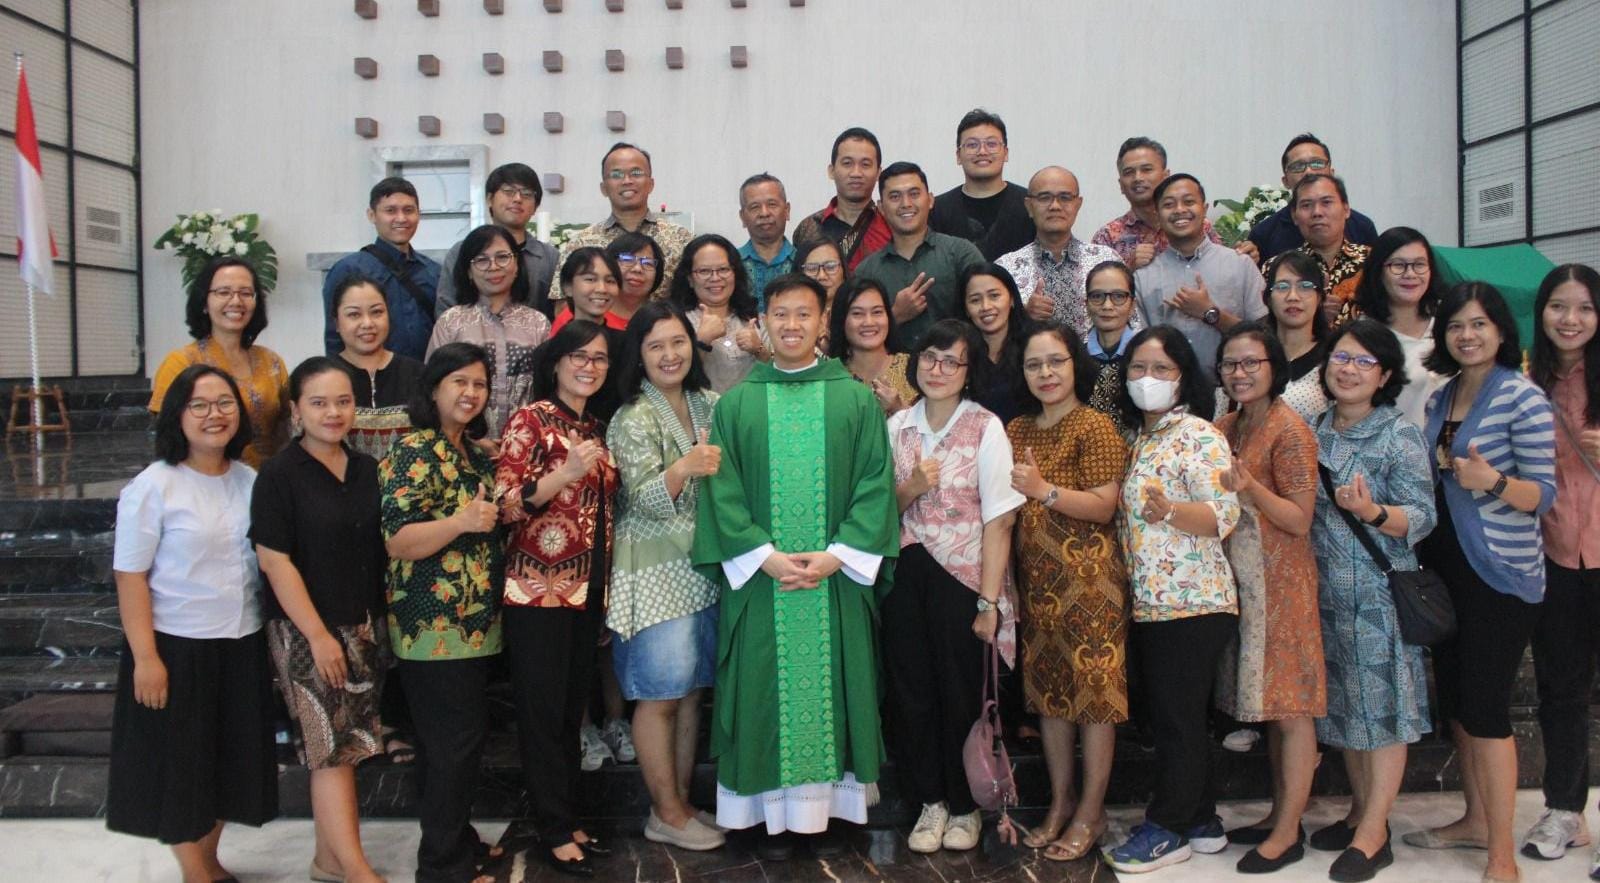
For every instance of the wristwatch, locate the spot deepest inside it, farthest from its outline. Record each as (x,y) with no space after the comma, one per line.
(1050,499)
(1499,486)
(1211,316)
(984,604)
(1380,518)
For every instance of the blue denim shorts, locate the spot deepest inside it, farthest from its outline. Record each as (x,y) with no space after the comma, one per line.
(669,659)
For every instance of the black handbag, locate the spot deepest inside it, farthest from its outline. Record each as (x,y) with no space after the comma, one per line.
(1421,601)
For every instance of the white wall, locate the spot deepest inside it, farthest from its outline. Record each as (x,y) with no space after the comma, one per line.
(249,105)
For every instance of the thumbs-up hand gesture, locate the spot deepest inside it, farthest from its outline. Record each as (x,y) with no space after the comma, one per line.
(1192,300)
(702,459)
(712,328)
(749,339)
(581,457)
(1474,472)
(1040,306)
(925,477)
(1237,479)
(1026,478)
(477,515)
(1143,253)
(888,398)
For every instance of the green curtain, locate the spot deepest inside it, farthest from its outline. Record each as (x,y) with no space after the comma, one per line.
(1516,270)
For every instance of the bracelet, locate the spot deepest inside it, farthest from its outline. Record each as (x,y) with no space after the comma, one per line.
(1381,517)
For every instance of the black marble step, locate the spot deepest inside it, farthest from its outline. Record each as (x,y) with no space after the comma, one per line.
(24,676)
(91,393)
(72,483)
(31,558)
(125,418)
(59,624)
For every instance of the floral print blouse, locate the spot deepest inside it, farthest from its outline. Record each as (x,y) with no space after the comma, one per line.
(447,605)
(1175,574)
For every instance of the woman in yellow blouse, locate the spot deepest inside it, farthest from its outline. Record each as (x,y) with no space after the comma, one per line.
(226,312)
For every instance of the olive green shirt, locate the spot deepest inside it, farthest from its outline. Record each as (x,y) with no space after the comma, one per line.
(944,258)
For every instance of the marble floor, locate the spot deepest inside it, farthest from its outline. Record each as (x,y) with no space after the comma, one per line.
(73,850)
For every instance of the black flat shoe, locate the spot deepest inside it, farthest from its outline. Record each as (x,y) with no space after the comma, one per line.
(827,844)
(579,867)
(1249,836)
(594,846)
(1353,865)
(1254,863)
(1334,838)
(776,847)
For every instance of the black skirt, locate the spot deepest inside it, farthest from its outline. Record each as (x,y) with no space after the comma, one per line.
(206,757)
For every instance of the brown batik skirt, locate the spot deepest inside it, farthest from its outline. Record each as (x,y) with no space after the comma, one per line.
(337,727)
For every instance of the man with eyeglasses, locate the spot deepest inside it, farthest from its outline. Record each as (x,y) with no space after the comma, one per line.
(1050,270)
(986,210)
(921,269)
(409,278)
(1305,155)
(626,181)
(1136,236)
(514,194)
(850,218)
(1321,210)
(764,212)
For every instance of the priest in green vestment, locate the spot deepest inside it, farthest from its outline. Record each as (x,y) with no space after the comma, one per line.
(798,528)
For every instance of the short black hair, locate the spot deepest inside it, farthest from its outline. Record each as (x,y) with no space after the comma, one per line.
(172,446)
(354,280)
(1494,306)
(315,367)
(1277,357)
(1373,298)
(786,282)
(742,303)
(1194,389)
(1306,266)
(582,258)
(803,250)
(1017,322)
(1174,178)
(1542,363)
(1303,138)
(945,334)
(195,310)
(1314,177)
(624,145)
(843,299)
(635,242)
(1376,338)
(1112,264)
(422,411)
(1140,142)
(476,243)
(896,169)
(390,186)
(855,133)
(1084,370)
(980,117)
(515,173)
(572,337)
(761,178)
(631,374)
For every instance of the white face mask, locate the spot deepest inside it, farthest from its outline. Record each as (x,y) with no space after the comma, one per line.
(1152,393)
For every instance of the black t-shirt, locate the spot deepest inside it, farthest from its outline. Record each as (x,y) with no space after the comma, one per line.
(329,528)
(995,224)
(395,382)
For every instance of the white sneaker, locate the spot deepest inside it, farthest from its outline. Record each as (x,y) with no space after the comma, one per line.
(618,736)
(1241,740)
(928,835)
(595,750)
(963,831)
(1556,830)
(1594,865)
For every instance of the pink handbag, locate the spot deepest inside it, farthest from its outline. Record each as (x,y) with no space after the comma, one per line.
(984,754)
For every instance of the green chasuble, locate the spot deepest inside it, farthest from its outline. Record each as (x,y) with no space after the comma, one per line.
(805,463)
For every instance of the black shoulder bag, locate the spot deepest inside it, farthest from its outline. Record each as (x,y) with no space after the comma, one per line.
(1421,601)
(399,273)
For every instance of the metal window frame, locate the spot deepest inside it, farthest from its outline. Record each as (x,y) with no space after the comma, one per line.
(1525,131)
(73,155)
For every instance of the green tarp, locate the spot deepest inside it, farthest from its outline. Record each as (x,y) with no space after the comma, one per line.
(1516,270)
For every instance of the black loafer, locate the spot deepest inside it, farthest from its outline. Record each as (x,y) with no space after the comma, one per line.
(1254,863)
(1334,838)
(594,846)
(1249,836)
(578,867)
(776,847)
(1353,865)
(827,844)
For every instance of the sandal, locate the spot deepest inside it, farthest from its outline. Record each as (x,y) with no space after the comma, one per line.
(399,751)
(1079,841)
(1042,836)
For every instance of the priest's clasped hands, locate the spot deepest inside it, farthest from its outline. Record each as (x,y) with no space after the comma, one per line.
(800,570)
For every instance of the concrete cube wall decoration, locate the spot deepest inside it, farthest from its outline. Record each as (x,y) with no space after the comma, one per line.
(553,61)
(366,68)
(494,7)
(428,125)
(613,5)
(494,123)
(674,4)
(428,65)
(429,8)
(737,4)
(494,63)
(675,57)
(739,56)
(797,2)
(366,127)
(554,121)
(554,182)
(613,59)
(552,5)
(367,8)
(616,121)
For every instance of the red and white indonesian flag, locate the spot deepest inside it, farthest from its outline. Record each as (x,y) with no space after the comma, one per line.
(35,246)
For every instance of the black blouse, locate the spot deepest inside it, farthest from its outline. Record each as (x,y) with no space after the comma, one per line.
(329,528)
(392,385)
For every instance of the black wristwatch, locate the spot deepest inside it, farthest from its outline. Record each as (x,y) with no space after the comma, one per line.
(1499,486)
(1211,316)
(1380,518)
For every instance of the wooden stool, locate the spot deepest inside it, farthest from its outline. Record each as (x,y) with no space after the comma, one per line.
(24,397)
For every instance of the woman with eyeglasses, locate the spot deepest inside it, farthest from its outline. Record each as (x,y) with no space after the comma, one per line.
(191,733)
(1108,296)
(711,286)
(822,260)
(1494,469)
(1073,580)
(952,591)
(1176,512)
(226,312)
(862,327)
(1401,290)
(1297,286)
(1377,690)
(315,522)
(1274,672)
(994,306)
(554,483)
(493,312)
(639,258)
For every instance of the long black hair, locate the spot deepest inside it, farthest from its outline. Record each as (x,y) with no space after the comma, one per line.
(1084,371)
(1194,388)
(1373,298)
(172,445)
(1509,355)
(1018,321)
(572,337)
(1542,361)
(477,242)
(741,304)
(198,317)
(442,362)
(631,374)
(1306,266)
(1277,357)
(848,293)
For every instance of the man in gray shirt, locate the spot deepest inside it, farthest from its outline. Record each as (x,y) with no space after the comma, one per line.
(1195,285)
(514,195)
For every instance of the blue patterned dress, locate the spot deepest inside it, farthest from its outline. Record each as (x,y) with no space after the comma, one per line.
(1377,688)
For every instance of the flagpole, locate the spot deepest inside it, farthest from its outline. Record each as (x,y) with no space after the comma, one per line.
(36,409)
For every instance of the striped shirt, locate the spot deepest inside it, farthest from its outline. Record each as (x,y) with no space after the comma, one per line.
(1511,423)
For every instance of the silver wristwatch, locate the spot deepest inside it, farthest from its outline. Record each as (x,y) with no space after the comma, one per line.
(1050,499)
(984,605)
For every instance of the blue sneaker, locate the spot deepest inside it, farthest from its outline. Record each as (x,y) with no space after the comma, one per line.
(1148,847)
(1208,838)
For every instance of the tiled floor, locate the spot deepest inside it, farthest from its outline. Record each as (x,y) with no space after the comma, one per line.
(59,850)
